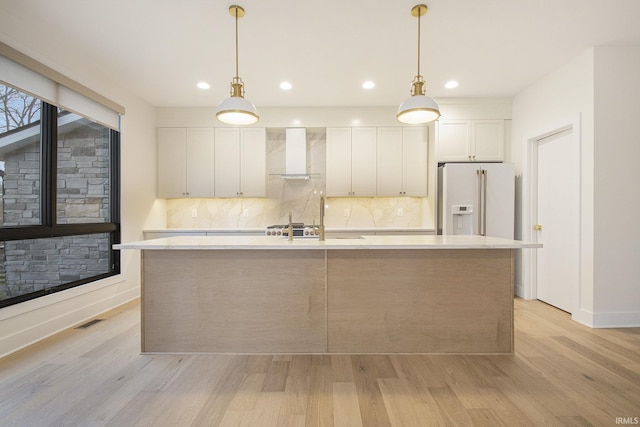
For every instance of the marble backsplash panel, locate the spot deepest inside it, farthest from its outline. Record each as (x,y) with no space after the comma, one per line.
(300,197)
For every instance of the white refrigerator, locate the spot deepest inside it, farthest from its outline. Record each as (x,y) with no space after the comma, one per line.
(476,198)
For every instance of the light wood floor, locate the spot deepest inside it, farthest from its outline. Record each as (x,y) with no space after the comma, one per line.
(562,373)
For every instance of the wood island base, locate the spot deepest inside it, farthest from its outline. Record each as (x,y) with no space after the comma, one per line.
(328,301)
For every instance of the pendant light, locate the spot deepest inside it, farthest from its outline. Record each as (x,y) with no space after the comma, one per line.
(236,110)
(419,108)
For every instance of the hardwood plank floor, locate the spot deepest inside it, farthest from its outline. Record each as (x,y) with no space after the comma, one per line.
(562,373)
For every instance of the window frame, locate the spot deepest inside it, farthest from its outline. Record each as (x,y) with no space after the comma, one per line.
(48,227)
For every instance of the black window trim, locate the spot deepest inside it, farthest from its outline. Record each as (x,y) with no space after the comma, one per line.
(48,227)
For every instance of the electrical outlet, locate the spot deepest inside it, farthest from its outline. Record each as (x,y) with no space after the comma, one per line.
(347,212)
(245,213)
(400,212)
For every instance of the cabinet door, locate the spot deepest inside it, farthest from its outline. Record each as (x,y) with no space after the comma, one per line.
(363,162)
(389,161)
(253,162)
(227,162)
(487,140)
(200,160)
(338,163)
(171,179)
(454,140)
(415,148)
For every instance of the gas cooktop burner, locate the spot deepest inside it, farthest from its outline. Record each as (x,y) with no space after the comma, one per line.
(299,230)
(295,225)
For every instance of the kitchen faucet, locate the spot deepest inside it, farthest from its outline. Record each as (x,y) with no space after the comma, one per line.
(290,227)
(322,219)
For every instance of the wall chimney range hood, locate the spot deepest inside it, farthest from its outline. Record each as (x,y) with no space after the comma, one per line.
(296,154)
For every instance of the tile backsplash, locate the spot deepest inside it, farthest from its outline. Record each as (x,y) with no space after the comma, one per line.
(300,197)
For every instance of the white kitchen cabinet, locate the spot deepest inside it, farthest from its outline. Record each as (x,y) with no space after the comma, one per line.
(415,148)
(338,163)
(389,161)
(351,162)
(470,140)
(402,161)
(487,137)
(240,162)
(185,159)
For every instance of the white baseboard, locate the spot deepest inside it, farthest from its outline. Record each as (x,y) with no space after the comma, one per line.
(618,319)
(522,292)
(23,329)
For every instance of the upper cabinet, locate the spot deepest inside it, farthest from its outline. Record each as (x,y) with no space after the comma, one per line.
(470,140)
(351,162)
(384,161)
(208,162)
(185,157)
(240,162)
(402,161)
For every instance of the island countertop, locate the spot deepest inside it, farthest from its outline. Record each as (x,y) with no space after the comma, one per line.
(369,294)
(364,242)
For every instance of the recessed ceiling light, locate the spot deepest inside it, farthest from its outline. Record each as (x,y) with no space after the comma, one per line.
(368,85)
(286,86)
(203,85)
(451,84)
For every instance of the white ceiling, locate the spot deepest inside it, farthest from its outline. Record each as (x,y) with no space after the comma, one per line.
(160,49)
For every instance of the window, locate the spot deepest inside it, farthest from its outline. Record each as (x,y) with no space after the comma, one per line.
(59,213)
(83,170)
(20,156)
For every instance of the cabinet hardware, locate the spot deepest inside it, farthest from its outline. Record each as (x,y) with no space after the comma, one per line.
(537,227)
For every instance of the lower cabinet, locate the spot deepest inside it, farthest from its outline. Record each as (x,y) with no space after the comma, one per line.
(159,234)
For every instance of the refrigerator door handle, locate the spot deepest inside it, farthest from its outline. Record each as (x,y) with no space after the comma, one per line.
(479,173)
(485,177)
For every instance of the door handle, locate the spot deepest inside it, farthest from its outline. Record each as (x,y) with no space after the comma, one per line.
(537,227)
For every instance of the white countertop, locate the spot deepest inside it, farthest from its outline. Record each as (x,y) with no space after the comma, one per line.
(366,242)
(261,230)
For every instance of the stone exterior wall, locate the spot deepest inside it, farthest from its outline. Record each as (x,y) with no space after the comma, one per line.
(83,175)
(21,198)
(83,185)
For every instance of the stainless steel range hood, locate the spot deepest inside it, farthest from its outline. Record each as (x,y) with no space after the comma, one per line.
(296,154)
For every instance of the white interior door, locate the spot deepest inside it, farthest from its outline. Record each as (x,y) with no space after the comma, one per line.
(557,269)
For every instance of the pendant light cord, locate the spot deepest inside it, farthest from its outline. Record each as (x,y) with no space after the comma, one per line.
(236,42)
(419,10)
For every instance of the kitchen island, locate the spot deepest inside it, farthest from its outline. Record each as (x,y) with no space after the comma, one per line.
(375,294)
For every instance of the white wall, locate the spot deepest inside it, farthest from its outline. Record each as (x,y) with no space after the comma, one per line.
(584,92)
(558,100)
(617,192)
(31,321)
